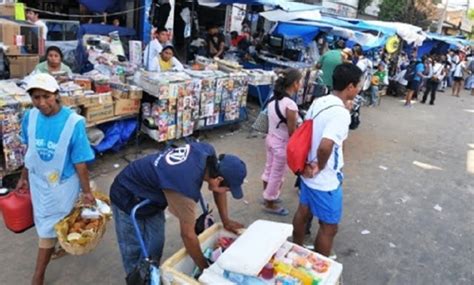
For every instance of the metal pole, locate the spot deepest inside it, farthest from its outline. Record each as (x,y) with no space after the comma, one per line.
(443,17)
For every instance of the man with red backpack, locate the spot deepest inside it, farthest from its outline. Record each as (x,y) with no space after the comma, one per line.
(321,181)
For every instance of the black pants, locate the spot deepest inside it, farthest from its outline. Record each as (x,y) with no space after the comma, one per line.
(431,86)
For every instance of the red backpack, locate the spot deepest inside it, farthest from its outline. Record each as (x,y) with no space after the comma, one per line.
(299,144)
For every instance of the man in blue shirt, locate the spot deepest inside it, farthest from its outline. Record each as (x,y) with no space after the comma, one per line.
(414,83)
(172,179)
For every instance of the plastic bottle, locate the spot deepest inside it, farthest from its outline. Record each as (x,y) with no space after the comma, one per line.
(302,276)
(242,279)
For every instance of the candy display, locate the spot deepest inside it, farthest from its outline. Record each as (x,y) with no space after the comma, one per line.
(191,100)
(10,125)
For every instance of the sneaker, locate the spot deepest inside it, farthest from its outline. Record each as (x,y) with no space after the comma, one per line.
(422,102)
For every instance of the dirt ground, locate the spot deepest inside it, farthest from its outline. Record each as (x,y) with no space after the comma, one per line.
(420,221)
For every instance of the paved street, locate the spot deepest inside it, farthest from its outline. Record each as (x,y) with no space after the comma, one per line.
(421,221)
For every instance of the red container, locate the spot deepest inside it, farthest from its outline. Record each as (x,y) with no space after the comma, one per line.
(102,88)
(17,211)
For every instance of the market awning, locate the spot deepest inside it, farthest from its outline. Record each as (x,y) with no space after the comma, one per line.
(308,30)
(214,3)
(409,33)
(281,15)
(101,6)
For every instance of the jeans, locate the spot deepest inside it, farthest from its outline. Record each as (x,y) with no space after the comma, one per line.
(374,90)
(431,86)
(275,166)
(152,229)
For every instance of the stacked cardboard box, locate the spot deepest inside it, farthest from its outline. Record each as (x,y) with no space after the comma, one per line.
(23,44)
(126,98)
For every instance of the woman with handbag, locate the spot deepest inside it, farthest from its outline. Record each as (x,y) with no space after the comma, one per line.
(282,122)
(55,163)
(433,82)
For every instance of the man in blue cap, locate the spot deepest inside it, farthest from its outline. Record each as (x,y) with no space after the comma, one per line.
(172,179)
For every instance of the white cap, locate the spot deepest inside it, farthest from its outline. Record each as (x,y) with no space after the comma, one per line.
(42,81)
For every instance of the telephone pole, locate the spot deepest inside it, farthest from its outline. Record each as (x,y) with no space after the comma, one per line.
(443,17)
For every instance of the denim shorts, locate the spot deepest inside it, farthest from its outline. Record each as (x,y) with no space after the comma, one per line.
(325,205)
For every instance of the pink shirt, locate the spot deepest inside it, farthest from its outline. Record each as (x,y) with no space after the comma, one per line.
(273,120)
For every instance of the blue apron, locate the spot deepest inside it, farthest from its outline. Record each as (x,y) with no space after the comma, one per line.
(52,198)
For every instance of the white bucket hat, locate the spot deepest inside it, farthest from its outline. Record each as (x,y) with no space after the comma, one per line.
(42,81)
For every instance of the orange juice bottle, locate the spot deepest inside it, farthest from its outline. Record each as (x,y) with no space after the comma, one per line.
(302,276)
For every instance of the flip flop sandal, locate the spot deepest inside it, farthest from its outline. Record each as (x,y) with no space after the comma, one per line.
(278,211)
(277,201)
(58,253)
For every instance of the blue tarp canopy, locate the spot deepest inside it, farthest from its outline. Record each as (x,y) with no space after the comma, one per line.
(306,32)
(101,6)
(387,31)
(104,30)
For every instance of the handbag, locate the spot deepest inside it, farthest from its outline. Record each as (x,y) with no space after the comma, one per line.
(206,219)
(261,122)
(146,273)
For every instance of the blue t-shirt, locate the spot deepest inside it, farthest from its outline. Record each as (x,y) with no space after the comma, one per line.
(179,169)
(420,68)
(48,131)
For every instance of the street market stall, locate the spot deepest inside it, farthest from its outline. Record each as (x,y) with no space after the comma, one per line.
(252,258)
(191,100)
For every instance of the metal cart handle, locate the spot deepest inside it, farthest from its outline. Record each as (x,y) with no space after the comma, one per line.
(137,229)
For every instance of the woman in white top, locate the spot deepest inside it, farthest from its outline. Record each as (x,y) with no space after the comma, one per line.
(458,76)
(282,120)
(432,83)
(166,61)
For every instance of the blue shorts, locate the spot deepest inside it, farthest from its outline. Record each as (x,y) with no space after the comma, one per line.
(325,205)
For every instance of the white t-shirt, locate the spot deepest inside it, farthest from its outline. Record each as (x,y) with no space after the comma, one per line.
(152,50)
(437,71)
(333,124)
(458,69)
(366,66)
(42,24)
(400,77)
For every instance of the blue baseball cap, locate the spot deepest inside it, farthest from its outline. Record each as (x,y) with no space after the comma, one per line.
(234,171)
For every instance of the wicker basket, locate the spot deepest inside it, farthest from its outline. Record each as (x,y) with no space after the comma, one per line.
(85,244)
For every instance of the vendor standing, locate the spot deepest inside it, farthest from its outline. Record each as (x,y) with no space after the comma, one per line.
(55,163)
(215,42)
(160,37)
(54,63)
(166,61)
(172,179)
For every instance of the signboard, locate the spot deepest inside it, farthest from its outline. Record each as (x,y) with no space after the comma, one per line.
(347,8)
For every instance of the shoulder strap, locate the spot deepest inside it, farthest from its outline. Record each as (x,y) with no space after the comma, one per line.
(280,115)
(204,205)
(328,107)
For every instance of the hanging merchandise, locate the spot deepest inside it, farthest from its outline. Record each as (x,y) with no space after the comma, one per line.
(10,124)
(393,44)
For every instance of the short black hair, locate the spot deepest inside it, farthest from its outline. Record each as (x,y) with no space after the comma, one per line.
(160,30)
(212,26)
(31,9)
(56,49)
(344,75)
(341,44)
(170,47)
